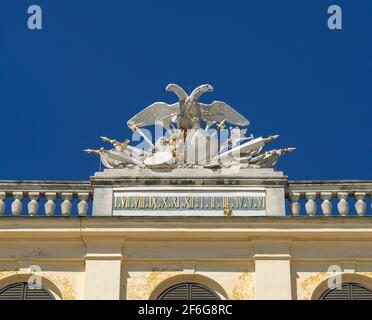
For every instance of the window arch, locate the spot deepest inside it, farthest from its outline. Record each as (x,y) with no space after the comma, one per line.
(188,291)
(21,291)
(347,291)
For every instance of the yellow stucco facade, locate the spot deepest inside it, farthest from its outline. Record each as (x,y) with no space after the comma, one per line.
(240,258)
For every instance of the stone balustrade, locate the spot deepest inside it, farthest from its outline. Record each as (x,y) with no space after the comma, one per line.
(66,198)
(35,198)
(329,198)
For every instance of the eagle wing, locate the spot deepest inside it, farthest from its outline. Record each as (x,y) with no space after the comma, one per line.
(158,111)
(218,111)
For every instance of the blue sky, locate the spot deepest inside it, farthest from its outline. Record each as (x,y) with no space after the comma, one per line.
(97,63)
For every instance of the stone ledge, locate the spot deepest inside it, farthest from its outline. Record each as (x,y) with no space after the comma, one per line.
(122,177)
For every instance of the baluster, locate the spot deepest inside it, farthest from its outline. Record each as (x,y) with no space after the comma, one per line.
(343,205)
(33,205)
(360,204)
(2,203)
(83,204)
(295,205)
(66,205)
(310,205)
(17,205)
(50,205)
(326,203)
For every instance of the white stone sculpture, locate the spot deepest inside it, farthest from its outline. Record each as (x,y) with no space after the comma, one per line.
(187,144)
(188,112)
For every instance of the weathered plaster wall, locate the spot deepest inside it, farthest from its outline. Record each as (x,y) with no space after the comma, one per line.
(68,279)
(231,256)
(311,278)
(148,280)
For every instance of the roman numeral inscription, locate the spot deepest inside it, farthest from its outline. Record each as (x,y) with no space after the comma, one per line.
(188,202)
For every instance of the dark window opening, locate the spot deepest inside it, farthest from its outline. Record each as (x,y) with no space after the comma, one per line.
(347,291)
(188,291)
(21,291)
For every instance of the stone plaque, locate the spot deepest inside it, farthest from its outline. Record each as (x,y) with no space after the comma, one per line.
(189,203)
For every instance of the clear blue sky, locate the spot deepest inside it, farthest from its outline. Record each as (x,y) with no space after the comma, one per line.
(96,63)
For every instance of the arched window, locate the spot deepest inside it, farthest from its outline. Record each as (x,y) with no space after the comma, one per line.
(188,291)
(347,291)
(21,291)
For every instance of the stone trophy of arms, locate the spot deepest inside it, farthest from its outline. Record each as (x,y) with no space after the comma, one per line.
(186,144)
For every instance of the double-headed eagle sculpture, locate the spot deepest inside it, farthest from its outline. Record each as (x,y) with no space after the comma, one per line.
(188,112)
(186,143)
